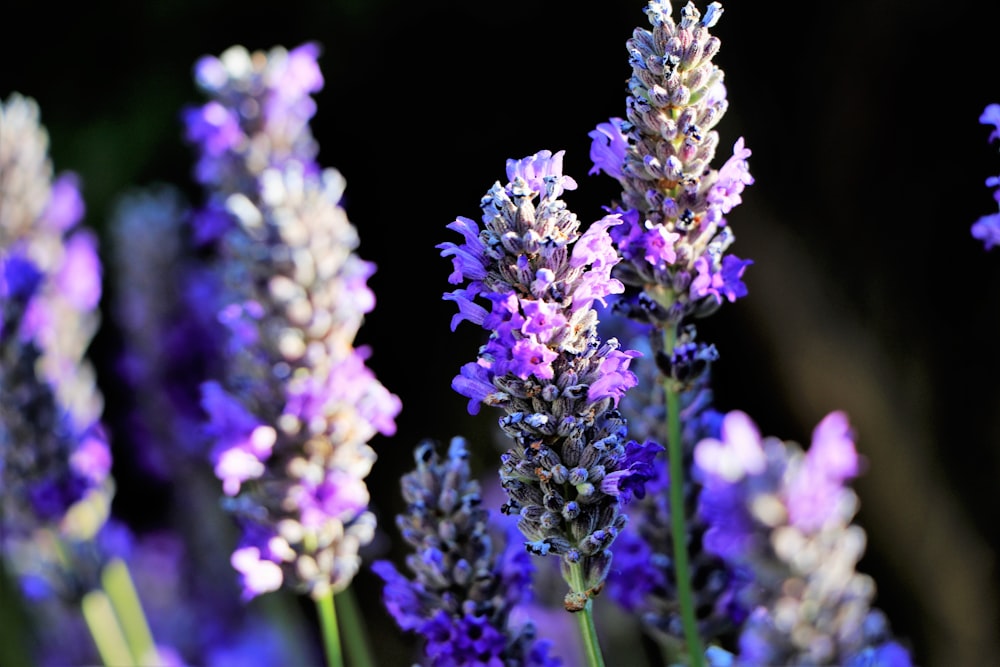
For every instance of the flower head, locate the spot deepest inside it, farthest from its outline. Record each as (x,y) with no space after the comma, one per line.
(783,517)
(673,202)
(53,448)
(570,470)
(294,407)
(461,593)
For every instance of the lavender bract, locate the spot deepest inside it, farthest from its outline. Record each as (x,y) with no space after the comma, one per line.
(295,407)
(781,518)
(462,591)
(570,470)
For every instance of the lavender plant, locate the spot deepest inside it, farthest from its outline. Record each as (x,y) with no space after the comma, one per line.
(725,547)
(171,347)
(571,468)
(674,261)
(295,405)
(55,461)
(462,592)
(781,519)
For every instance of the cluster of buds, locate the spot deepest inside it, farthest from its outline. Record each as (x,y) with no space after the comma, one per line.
(295,406)
(674,237)
(53,450)
(462,591)
(570,470)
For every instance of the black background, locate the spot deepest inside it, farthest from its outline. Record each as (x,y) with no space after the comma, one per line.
(867,294)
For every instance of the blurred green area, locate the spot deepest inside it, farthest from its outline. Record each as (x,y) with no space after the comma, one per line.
(868,294)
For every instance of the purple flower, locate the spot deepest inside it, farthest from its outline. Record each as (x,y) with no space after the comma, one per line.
(987,230)
(768,504)
(546,366)
(736,454)
(991,116)
(723,283)
(54,450)
(615,377)
(293,406)
(65,207)
(987,227)
(607,151)
(661,156)
(636,469)
(540,172)
(79,276)
(460,595)
(19,278)
(257,117)
(733,177)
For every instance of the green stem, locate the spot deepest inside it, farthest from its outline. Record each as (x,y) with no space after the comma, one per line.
(355,637)
(678,520)
(585,618)
(121,593)
(328,625)
(105,630)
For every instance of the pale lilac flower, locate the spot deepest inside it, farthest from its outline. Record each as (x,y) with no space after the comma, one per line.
(292,410)
(53,448)
(783,518)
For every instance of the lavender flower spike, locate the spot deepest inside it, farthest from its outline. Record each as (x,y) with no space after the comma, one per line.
(53,450)
(462,592)
(783,519)
(295,406)
(987,228)
(674,237)
(570,470)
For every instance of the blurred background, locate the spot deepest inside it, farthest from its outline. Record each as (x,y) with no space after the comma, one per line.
(867,294)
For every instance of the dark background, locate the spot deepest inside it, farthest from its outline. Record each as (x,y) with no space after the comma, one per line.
(867,294)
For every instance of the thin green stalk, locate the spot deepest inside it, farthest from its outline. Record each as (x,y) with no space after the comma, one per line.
(328,625)
(678,520)
(105,630)
(124,600)
(355,636)
(585,618)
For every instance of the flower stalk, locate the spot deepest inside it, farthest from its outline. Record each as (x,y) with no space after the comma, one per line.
(330,631)
(356,644)
(585,619)
(678,518)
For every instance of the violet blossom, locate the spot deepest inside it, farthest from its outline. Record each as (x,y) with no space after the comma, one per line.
(783,518)
(55,462)
(674,235)
(292,412)
(570,470)
(462,592)
(987,228)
